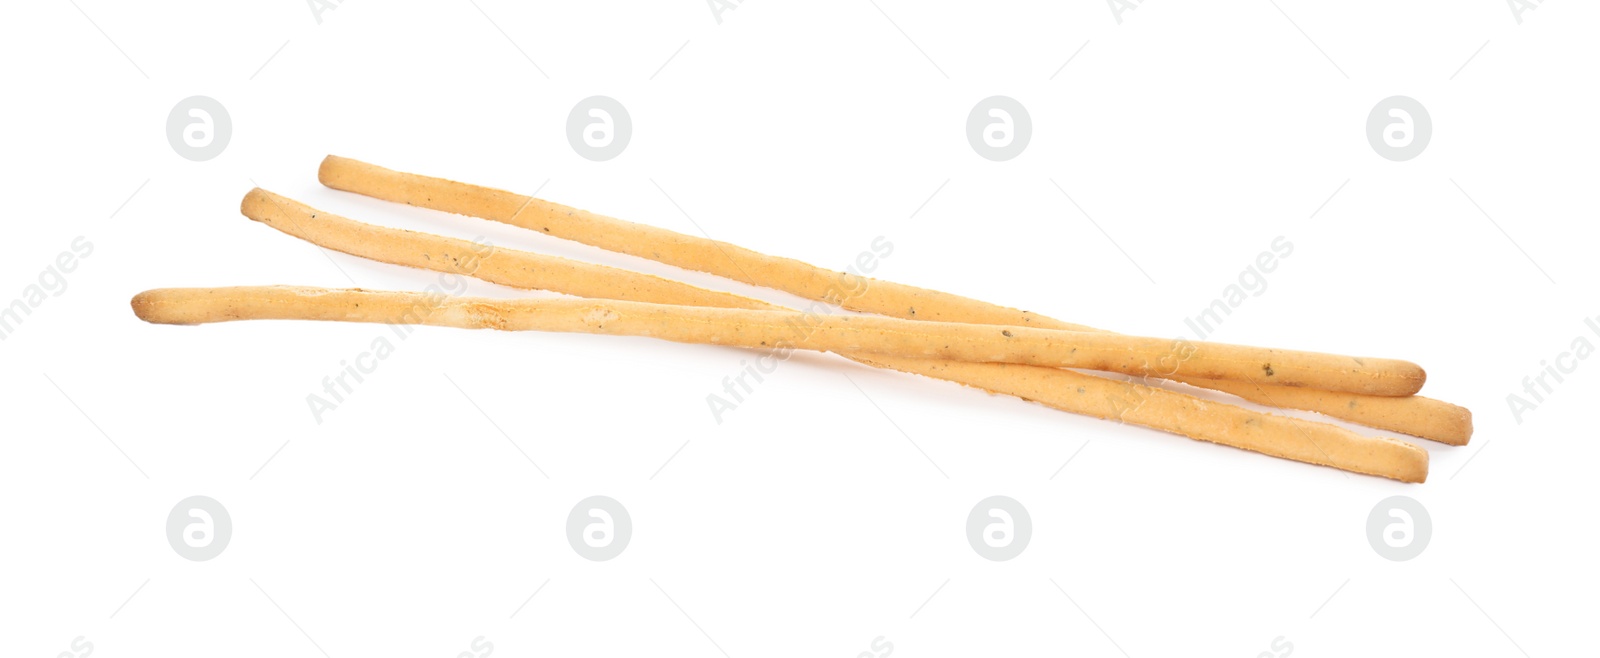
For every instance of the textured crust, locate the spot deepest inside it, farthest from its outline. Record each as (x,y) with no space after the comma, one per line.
(456,256)
(1316,443)
(1415,415)
(1422,417)
(839,333)
(1157,408)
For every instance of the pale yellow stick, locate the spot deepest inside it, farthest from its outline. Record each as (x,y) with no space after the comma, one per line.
(689,252)
(1415,415)
(1280,436)
(1272,434)
(456,256)
(892,336)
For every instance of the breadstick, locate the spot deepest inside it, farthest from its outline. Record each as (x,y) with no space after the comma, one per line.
(1280,436)
(1061,389)
(689,252)
(908,338)
(1415,415)
(455,256)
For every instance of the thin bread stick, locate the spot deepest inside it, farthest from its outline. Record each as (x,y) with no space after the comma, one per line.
(1290,438)
(657,244)
(1414,415)
(1061,389)
(1272,434)
(954,341)
(680,324)
(456,256)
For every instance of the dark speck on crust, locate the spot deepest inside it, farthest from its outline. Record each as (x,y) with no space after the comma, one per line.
(1267,368)
(1006,332)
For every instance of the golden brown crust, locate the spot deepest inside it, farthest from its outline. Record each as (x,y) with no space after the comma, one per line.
(1415,415)
(877,335)
(456,256)
(1157,408)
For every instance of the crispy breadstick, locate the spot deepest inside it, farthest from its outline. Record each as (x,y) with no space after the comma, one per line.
(1415,415)
(455,256)
(689,252)
(1281,436)
(905,338)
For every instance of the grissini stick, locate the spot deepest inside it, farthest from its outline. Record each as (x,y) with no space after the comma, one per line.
(1415,415)
(1280,436)
(1065,390)
(1272,434)
(457,256)
(685,251)
(1132,355)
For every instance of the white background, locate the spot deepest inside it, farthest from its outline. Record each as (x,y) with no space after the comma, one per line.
(807,523)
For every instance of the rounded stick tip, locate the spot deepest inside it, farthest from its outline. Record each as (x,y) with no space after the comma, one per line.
(1410,376)
(331,167)
(146,306)
(1416,373)
(1460,427)
(250,205)
(1413,467)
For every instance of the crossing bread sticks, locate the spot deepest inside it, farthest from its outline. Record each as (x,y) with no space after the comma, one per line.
(953,338)
(1061,389)
(1415,415)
